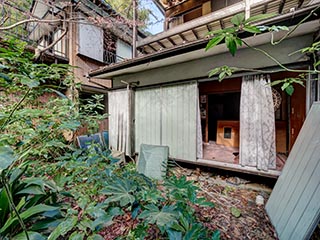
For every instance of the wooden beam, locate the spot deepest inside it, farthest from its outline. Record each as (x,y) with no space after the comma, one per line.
(194,33)
(208,28)
(300,3)
(152,48)
(281,6)
(247,8)
(171,41)
(161,45)
(182,37)
(134,29)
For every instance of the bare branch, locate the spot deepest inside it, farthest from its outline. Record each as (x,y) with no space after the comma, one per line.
(39,21)
(293,29)
(5,16)
(4,19)
(39,51)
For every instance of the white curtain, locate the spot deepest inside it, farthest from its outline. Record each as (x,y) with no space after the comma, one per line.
(199,130)
(257,123)
(120,120)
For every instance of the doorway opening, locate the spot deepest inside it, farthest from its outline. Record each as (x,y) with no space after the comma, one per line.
(220,115)
(223,127)
(222,107)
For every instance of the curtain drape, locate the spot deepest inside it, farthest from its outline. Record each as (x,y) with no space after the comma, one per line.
(199,130)
(120,120)
(257,123)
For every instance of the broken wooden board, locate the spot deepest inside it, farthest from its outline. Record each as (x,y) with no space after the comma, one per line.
(294,205)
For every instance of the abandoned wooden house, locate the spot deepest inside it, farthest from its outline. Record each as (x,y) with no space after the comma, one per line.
(164,97)
(81,38)
(83,33)
(88,42)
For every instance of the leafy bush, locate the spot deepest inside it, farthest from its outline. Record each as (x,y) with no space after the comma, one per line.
(28,206)
(71,193)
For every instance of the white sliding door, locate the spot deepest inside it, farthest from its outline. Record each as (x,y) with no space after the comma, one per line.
(168,116)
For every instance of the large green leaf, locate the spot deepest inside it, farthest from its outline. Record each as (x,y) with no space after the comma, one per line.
(5,77)
(121,191)
(63,227)
(231,44)
(153,215)
(174,235)
(216,235)
(251,29)
(32,211)
(76,236)
(259,17)
(16,173)
(31,83)
(46,224)
(214,41)
(4,205)
(289,90)
(95,237)
(195,232)
(6,157)
(36,190)
(31,235)
(238,19)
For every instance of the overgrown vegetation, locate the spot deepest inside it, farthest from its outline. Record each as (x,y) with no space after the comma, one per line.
(52,190)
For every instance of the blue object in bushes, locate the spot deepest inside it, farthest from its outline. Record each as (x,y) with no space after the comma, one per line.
(105,138)
(85,141)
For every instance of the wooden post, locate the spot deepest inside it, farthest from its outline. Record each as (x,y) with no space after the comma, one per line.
(134,32)
(247,8)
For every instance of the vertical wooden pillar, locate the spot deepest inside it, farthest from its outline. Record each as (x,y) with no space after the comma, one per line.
(247,8)
(134,33)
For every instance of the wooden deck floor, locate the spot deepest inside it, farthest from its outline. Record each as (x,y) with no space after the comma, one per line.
(227,158)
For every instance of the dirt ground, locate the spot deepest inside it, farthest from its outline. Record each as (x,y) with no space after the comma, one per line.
(236,213)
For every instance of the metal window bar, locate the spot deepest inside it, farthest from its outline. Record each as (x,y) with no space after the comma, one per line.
(110,57)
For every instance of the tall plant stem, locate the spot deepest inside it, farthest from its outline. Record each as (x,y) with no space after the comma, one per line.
(293,29)
(276,61)
(14,207)
(15,109)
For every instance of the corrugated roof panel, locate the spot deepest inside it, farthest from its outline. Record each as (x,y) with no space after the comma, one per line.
(294,206)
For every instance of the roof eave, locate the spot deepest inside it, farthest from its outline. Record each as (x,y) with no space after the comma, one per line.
(149,61)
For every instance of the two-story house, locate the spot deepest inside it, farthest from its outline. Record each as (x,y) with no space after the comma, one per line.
(94,36)
(86,34)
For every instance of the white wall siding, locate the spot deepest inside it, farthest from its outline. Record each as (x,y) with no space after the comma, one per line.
(179,120)
(147,117)
(167,116)
(294,205)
